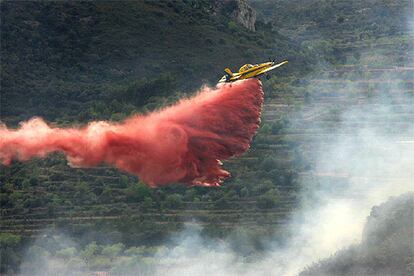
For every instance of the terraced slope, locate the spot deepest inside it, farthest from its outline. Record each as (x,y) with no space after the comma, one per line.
(79,61)
(91,196)
(300,115)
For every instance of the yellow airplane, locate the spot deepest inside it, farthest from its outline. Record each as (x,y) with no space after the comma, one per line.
(250,71)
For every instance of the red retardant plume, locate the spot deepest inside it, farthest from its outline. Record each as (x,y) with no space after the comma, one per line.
(182,143)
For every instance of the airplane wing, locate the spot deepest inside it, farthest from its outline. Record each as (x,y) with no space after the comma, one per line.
(273,67)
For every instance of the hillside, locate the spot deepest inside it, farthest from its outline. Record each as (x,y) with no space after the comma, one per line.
(73,62)
(343,32)
(78,61)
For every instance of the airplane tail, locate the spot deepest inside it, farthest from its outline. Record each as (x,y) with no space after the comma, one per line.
(228,71)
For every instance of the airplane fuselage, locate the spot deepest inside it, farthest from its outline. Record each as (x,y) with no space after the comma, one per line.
(250,71)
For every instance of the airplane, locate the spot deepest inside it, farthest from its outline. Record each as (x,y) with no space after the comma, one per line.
(250,71)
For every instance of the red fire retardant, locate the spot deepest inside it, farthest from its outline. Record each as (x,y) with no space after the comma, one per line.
(181,143)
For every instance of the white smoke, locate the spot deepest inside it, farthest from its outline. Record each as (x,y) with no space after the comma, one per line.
(365,159)
(365,165)
(357,166)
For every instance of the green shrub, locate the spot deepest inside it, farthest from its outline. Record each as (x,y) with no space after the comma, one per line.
(112,251)
(269,163)
(268,200)
(263,187)
(66,253)
(90,251)
(232,26)
(137,192)
(173,201)
(148,203)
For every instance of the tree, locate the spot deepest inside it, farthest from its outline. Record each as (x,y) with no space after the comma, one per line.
(90,251)
(173,201)
(189,194)
(265,129)
(123,181)
(137,192)
(244,192)
(16,198)
(232,26)
(83,194)
(268,200)
(66,253)
(10,259)
(263,187)
(112,251)
(148,203)
(135,251)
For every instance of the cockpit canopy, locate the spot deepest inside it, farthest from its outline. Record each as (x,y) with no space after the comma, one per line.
(245,67)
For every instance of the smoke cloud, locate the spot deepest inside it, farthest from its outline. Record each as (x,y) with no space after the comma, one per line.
(366,159)
(358,165)
(365,169)
(182,143)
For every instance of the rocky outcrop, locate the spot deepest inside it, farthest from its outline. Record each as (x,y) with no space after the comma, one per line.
(239,11)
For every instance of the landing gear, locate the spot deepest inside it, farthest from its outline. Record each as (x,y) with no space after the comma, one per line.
(268,77)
